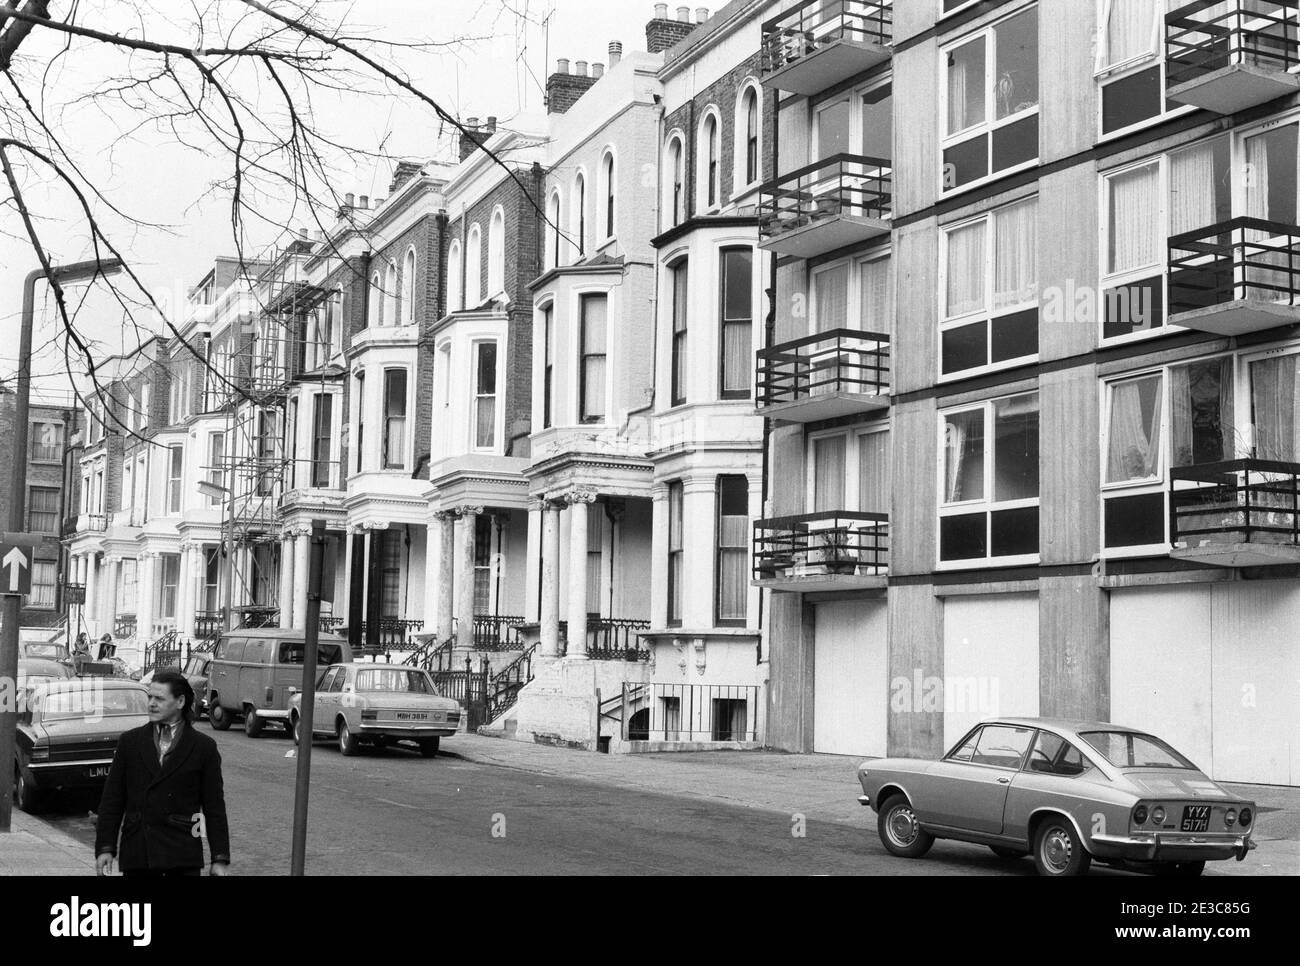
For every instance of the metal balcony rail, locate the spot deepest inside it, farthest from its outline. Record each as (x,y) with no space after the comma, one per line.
(1207,35)
(329,624)
(93,522)
(1235,501)
(208,622)
(843,184)
(164,652)
(842,541)
(497,632)
(1240,259)
(838,360)
(257,616)
(815,24)
(394,631)
(123,626)
(617,639)
(698,712)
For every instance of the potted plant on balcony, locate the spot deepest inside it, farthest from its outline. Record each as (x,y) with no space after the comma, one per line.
(829,548)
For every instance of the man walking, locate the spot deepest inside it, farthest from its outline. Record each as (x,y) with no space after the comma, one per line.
(164,788)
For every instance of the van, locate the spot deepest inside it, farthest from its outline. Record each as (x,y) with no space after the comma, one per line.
(255,670)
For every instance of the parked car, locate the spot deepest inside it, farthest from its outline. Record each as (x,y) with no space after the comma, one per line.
(196,672)
(46,651)
(254,670)
(67,733)
(378,704)
(1064,792)
(38,670)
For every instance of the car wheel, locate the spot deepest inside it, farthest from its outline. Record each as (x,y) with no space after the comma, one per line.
(25,795)
(295,728)
(219,718)
(347,740)
(1180,870)
(1002,852)
(253,722)
(1057,849)
(429,747)
(899,830)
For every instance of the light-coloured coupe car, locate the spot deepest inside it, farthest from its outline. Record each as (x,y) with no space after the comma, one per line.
(1065,792)
(378,704)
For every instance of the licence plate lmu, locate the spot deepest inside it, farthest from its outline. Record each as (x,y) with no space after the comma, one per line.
(1196,818)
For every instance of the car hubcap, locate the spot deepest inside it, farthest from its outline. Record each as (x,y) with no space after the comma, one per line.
(1057,850)
(902,826)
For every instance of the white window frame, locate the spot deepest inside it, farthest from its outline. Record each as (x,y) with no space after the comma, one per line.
(554,230)
(578,207)
(374,317)
(474,267)
(853,439)
(702,204)
(576,355)
(455,277)
(676,207)
(608,177)
(740,184)
(854,305)
(475,347)
(496,279)
(408,286)
(392,295)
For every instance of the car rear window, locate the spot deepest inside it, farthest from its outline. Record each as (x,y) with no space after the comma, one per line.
(89,700)
(291,652)
(393,679)
(1125,749)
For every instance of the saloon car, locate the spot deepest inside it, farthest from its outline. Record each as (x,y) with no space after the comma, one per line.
(378,704)
(38,670)
(68,731)
(1065,792)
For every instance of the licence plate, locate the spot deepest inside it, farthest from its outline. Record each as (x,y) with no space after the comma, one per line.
(1196,818)
(97,771)
(412,716)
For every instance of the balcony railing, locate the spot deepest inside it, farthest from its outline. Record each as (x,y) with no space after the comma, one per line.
(817,44)
(1236,276)
(1227,55)
(839,543)
(616,639)
(393,632)
(207,623)
(92,522)
(816,369)
(123,626)
(496,632)
(1238,513)
(828,204)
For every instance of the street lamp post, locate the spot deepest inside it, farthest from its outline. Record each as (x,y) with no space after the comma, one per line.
(11,604)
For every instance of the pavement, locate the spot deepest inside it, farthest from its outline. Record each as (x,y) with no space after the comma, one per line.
(573,811)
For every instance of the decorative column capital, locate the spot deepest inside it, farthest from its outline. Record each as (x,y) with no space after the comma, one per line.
(296,530)
(469,509)
(443,515)
(580,494)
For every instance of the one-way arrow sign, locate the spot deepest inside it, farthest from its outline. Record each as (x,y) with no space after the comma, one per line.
(15,569)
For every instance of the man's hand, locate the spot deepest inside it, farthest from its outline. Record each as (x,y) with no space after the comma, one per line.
(104,863)
(219,868)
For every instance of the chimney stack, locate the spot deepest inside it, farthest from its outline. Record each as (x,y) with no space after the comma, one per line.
(563,89)
(615,53)
(662,33)
(404,172)
(473,136)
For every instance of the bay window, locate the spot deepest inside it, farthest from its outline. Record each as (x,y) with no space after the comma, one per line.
(216,464)
(171,573)
(680,277)
(990,481)
(593,314)
(675,553)
(175,464)
(485,394)
(322,439)
(361,419)
(548,365)
(394,441)
(731,589)
(736,319)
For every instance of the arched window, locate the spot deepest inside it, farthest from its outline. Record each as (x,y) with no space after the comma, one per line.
(390,294)
(374,317)
(496,253)
(676,181)
(747,127)
(408,287)
(607,169)
(454,275)
(553,239)
(708,161)
(474,268)
(580,214)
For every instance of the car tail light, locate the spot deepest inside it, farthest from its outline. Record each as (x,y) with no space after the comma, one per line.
(1158,815)
(1140,815)
(1245,817)
(40,753)
(1230,817)
(369,715)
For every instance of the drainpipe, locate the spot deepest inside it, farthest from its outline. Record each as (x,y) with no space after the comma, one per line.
(440,219)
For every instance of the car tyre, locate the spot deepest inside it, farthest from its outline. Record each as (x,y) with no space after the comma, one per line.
(26,797)
(899,831)
(218,717)
(429,747)
(348,744)
(1058,850)
(253,722)
(1180,870)
(1002,852)
(295,729)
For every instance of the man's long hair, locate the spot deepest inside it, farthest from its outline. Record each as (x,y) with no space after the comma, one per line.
(179,687)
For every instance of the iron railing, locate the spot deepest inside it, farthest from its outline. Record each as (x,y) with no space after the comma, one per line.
(497,632)
(843,184)
(469,687)
(258,616)
(329,624)
(617,639)
(505,685)
(1207,35)
(93,522)
(1244,258)
(162,653)
(123,625)
(702,712)
(814,24)
(208,622)
(1235,501)
(838,360)
(394,631)
(840,542)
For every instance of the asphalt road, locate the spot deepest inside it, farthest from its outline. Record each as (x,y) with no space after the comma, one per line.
(394,812)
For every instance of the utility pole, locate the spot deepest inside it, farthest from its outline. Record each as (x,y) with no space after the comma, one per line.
(11,604)
(308,706)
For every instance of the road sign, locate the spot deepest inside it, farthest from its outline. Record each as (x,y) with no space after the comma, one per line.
(15,568)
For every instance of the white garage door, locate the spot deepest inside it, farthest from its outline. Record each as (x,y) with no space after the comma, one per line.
(1215,670)
(990,660)
(850,692)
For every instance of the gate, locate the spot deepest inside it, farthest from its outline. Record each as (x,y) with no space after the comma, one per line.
(470,689)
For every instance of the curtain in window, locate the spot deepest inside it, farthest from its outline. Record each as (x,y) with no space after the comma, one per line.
(877,295)
(733,542)
(737,350)
(966,267)
(1271,160)
(964,456)
(1135,238)
(832,291)
(1201,427)
(1191,188)
(1015,250)
(1130,29)
(1134,450)
(873,472)
(828,474)
(1275,395)
(593,361)
(966,86)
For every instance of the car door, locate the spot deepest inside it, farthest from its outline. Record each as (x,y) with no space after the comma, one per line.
(323,713)
(968,789)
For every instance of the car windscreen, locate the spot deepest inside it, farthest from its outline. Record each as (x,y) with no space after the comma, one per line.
(88,701)
(393,679)
(1125,749)
(291,652)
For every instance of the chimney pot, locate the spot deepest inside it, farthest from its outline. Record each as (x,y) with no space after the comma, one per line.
(661,11)
(365,201)
(598,70)
(701,14)
(580,68)
(684,14)
(615,53)
(471,123)
(492,122)
(562,65)
(349,199)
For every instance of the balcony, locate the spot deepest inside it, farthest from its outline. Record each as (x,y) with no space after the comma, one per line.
(817,44)
(1227,55)
(1238,513)
(841,372)
(842,200)
(831,550)
(92,523)
(1235,277)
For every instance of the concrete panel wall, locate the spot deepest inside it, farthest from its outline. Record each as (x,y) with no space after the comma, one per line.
(1073,648)
(1067,45)
(916,145)
(1068,266)
(913,513)
(915,646)
(790,675)
(916,323)
(1070,514)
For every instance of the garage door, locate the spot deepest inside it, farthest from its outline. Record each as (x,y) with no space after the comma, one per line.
(1215,670)
(850,691)
(990,660)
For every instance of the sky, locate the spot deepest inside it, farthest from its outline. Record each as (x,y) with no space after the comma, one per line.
(499,70)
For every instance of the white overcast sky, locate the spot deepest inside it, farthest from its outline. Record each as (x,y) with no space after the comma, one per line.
(157,181)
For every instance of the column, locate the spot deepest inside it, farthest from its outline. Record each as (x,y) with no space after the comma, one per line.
(286,589)
(144,583)
(698,556)
(533,561)
(185,592)
(659,555)
(446,569)
(92,596)
(356,585)
(579,502)
(374,584)
(432,574)
(301,576)
(465,576)
(611,590)
(114,579)
(550,603)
